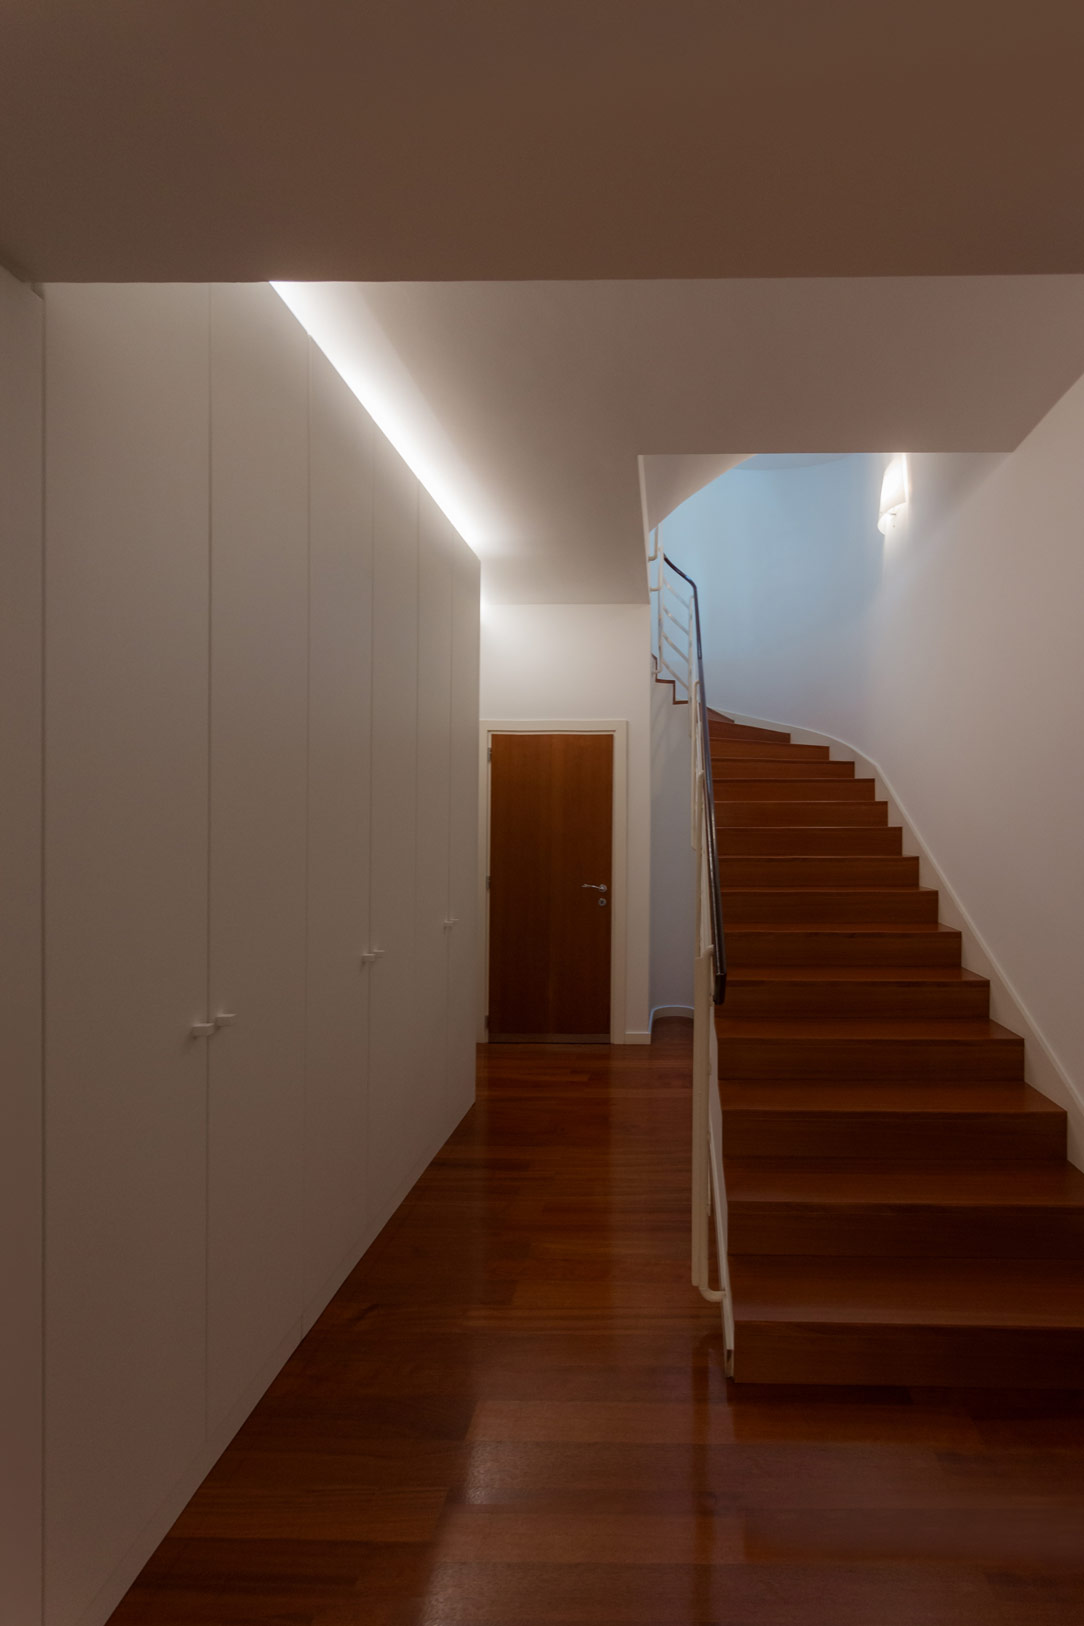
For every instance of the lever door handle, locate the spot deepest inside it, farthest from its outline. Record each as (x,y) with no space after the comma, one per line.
(451,921)
(590,886)
(370,955)
(202,1030)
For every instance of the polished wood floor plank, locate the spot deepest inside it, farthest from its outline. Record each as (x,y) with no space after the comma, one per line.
(516,1413)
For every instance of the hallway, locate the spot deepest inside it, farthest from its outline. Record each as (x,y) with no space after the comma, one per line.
(515,1413)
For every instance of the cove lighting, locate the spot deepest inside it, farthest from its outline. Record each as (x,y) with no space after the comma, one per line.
(338,320)
(895,493)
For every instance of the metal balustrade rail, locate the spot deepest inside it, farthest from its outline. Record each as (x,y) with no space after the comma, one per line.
(679,656)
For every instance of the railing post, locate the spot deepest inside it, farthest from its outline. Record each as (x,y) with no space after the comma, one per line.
(659,611)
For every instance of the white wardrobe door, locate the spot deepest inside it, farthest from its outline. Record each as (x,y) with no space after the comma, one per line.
(126,916)
(396,1136)
(433,918)
(20,951)
(463,843)
(340,680)
(259,726)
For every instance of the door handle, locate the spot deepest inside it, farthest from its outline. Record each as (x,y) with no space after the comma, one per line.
(370,955)
(450,922)
(590,886)
(202,1030)
(225,1019)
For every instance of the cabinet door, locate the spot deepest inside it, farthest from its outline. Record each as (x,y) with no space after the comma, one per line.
(125,916)
(20,951)
(340,699)
(395,1132)
(259,727)
(463,973)
(432,920)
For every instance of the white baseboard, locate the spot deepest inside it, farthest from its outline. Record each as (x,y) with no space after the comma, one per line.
(637,1037)
(671,1010)
(1044,1068)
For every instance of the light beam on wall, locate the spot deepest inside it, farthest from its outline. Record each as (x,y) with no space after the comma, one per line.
(338,320)
(895,493)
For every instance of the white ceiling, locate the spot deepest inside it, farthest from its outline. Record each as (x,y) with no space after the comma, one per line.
(527,404)
(405,146)
(421,139)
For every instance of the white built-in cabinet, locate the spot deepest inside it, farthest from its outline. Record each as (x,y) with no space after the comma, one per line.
(20,952)
(259,569)
(340,781)
(261,705)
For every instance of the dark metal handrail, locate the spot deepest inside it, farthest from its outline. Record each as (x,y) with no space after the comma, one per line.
(718,940)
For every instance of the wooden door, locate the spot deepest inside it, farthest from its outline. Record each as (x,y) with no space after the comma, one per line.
(550,898)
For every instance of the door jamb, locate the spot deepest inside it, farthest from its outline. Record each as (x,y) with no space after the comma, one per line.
(619,729)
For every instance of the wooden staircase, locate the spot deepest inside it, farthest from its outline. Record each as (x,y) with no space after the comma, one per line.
(900,1207)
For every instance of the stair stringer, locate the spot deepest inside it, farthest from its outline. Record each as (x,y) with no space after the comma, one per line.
(1044,1069)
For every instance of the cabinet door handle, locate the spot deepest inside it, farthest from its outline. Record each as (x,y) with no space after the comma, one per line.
(225,1019)
(452,920)
(370,955)
(201,1030)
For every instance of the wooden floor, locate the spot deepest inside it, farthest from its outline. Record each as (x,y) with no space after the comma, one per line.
(515,1413)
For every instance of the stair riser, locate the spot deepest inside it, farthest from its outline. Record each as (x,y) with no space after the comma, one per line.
(870,841)
(835,1060)
(752,948)
(901,907)
(1029,1135)
(933,1357)
(794,790)
(798,813)
(746,734)
(912,1232)
(777,772)
(818,871)
(923,1002)
(750,751)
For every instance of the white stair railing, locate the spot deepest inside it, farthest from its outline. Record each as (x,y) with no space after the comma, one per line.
(679,658)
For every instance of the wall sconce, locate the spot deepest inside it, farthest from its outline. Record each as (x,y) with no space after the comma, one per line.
(895,493)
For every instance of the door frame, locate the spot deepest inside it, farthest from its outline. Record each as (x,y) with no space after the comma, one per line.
(618,729)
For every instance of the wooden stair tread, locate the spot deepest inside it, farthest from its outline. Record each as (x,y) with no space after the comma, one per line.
(846,928)
(809,840)
(1040,1293)
(904,975)
(880,1183)
(863,1096)
(731,750)
(968,1030)
(828,891)
(795,791)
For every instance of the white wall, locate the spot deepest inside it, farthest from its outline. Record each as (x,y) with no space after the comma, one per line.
(673,860)
(951,655)
(20,952)
(584,661)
